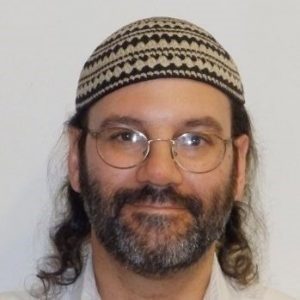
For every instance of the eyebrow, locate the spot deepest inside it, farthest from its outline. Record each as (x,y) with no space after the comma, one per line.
(207,122)
(116,120)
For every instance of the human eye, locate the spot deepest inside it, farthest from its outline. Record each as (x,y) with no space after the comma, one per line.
(194,139)
(122,135)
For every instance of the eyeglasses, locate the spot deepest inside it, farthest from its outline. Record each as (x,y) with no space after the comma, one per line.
(125,148)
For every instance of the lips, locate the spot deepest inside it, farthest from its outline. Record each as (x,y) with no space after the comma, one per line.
(148,208)
(165,205)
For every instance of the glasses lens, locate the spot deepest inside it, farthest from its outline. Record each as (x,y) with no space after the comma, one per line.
(122,147)
(199,152)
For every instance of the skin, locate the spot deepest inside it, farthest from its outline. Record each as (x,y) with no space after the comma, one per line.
(163,106)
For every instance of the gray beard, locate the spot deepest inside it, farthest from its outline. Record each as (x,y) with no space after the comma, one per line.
(148,243)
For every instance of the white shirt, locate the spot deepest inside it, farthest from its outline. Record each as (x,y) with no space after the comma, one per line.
(219,288)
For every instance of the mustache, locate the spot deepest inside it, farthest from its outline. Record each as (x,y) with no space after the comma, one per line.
(155,195)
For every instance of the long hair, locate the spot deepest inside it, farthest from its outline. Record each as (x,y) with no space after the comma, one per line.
(236,249)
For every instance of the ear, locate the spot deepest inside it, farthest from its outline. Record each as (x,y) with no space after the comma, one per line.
(73,159)
(241,144)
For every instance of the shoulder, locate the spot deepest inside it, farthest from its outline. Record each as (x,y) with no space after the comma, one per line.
(15,296)
(271,294)
(257,292)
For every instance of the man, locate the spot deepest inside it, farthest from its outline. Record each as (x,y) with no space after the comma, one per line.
(160,165)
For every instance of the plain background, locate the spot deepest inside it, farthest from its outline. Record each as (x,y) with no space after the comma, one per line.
(43,45)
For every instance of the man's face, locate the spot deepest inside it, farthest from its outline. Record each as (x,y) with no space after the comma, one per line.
(156,217)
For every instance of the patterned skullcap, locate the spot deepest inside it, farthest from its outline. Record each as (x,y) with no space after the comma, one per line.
(158,47)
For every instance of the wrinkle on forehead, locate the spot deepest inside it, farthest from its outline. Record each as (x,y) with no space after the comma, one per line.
(166,102)
(206,123)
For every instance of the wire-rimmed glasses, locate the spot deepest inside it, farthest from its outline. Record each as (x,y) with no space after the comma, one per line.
(125,148)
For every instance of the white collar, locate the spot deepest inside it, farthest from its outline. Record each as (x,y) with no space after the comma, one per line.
(219,288)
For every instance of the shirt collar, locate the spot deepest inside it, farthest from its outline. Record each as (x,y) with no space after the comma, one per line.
(219,287)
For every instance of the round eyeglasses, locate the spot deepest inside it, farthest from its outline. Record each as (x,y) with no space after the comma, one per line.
(125,148)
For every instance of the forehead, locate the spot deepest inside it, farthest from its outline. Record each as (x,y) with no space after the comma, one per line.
(164,103)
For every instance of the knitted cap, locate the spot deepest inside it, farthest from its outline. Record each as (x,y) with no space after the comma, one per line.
(153,48)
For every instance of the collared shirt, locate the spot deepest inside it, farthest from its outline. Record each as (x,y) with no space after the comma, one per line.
(219,288)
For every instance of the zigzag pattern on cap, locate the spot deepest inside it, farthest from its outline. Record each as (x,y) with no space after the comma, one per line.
(157,48)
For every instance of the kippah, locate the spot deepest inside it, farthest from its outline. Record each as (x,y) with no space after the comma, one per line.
(158,47)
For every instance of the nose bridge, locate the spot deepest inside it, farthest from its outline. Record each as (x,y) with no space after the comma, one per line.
(159,168)
(170,141)
(160,150)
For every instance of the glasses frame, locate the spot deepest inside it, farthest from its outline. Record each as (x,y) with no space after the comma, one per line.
(96,134)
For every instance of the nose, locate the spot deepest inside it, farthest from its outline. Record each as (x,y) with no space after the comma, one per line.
(159,168)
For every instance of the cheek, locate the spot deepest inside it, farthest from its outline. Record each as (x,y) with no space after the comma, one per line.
(203,185)
(110,179)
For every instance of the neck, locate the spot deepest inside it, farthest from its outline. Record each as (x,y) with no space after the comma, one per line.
(114,281)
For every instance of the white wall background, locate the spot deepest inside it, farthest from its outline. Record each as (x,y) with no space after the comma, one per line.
(43,45)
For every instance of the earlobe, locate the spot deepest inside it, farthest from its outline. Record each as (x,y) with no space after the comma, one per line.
(242,147)
(73,159)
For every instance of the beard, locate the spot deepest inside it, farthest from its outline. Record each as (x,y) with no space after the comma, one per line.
(153,244)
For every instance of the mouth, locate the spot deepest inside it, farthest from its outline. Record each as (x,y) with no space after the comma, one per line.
(163,208)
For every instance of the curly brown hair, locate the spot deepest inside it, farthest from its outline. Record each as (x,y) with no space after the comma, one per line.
(236,249)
